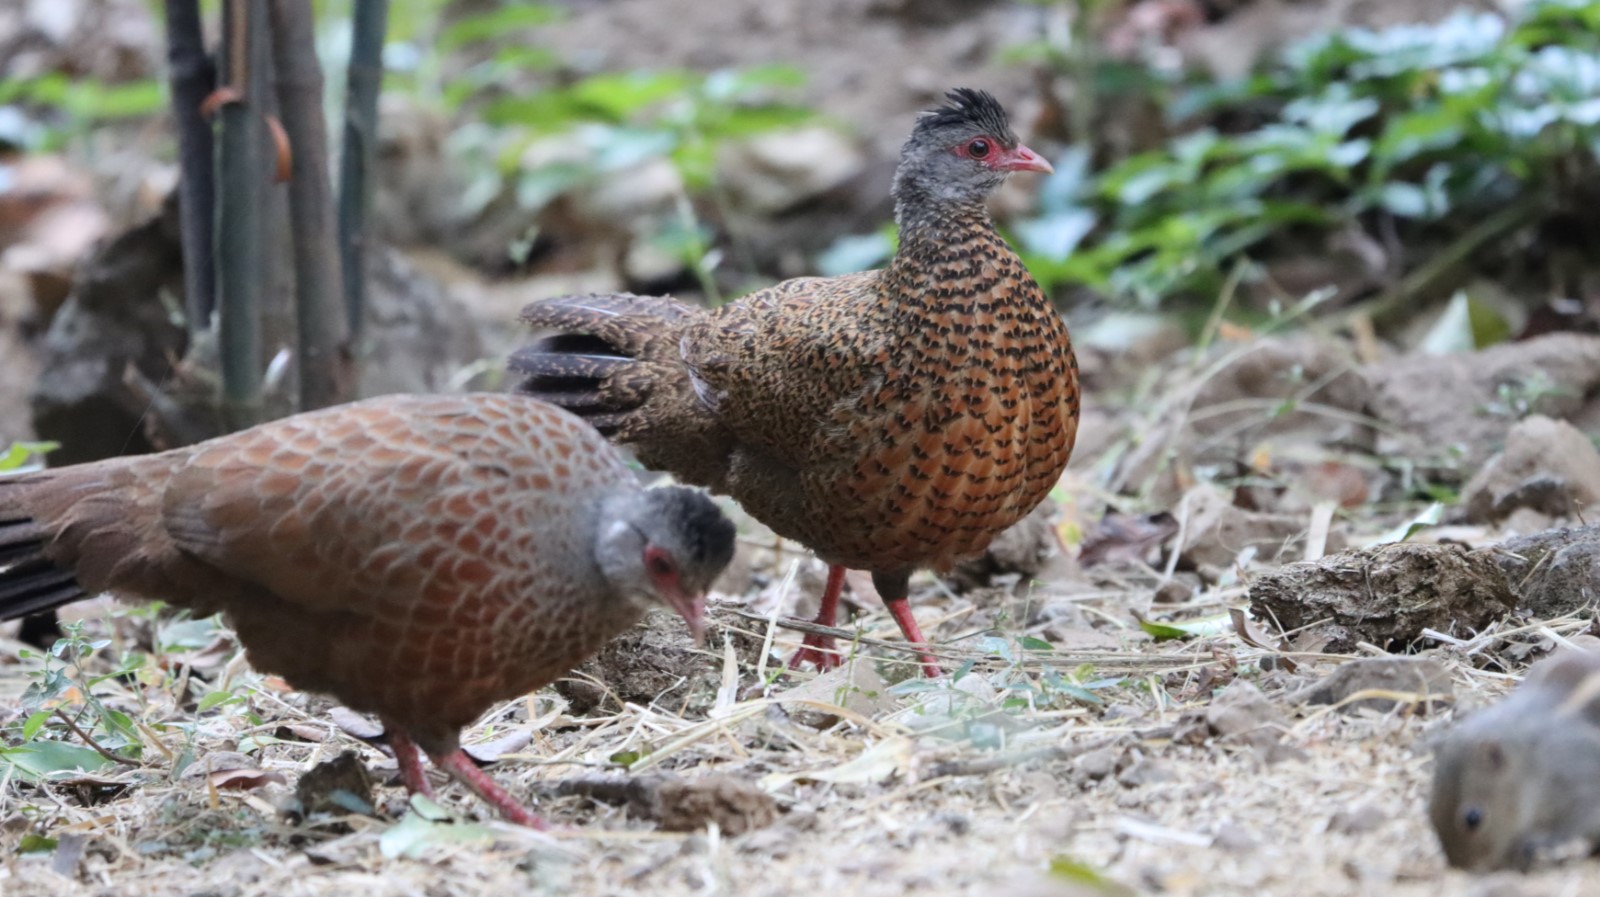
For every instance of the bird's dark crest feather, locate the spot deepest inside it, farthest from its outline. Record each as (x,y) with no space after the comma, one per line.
(968,106)
(710,533)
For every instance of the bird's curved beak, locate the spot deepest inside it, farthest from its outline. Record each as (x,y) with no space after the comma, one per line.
(1024,159)
(692,608)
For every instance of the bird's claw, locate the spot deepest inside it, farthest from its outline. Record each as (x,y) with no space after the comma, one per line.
(817,650)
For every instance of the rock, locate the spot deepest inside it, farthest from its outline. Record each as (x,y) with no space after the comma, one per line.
(339,785)
(1146,771)
(1217,531)
(1385,595)
(418,336)
(1099,763)
(1556,571)
(1547,465)
(1302,372)
(1410,675)
(1454,410)
(1358,819)
(683,805)
(772,173)
(1241,714)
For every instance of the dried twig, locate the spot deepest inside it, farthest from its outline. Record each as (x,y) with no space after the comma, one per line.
(84,736)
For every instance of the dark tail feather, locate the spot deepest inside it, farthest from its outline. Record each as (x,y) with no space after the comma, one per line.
(600,356)
(29,582)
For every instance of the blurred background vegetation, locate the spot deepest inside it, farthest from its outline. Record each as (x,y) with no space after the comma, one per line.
(1421,172)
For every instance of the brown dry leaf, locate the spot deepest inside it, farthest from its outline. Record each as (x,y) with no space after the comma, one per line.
(355,724)
(242,779)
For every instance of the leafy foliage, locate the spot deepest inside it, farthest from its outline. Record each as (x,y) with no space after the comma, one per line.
(1432,127)
(44,112)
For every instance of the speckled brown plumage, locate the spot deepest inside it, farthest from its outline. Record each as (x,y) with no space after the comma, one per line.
(419,558)
(888,420)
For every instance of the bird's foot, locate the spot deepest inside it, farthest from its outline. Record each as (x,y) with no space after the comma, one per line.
(900,609)
(464,770)
(410,760)
(818,650)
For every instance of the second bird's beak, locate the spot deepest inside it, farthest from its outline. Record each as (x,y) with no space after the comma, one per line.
(1024,159)
(692,608)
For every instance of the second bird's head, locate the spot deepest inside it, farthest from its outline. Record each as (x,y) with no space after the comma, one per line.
(664,547)
(962,151)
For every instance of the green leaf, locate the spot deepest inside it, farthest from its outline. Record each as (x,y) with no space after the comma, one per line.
(33,843)
(34,723)
(1035,644)
(43,759)
(428,826)
(498,23)
(214,699)
(625,758)
(1162,631)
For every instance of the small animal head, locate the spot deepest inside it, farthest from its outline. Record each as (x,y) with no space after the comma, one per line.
(664,547)
(1473,792)
(960,152)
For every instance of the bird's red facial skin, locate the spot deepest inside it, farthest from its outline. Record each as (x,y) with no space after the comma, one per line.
(664,576)
(993,154)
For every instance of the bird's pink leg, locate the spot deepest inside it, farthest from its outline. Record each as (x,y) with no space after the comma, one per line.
(895,589)
(410,760)
(820,649)
(461,767)
(900,609)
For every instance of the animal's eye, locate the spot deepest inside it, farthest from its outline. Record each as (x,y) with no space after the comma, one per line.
(661,565)
(1472,818)
(978,148)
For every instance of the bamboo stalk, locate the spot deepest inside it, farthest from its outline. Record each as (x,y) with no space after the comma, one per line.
(193,76)
(325,360)
(243,175)
(364,81)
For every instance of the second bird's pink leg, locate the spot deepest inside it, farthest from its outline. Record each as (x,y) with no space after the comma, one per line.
(410,760)
(463,770)
(820,649)
(900,609)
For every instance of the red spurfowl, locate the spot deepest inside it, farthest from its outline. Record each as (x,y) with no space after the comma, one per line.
(419,558)
(888,420)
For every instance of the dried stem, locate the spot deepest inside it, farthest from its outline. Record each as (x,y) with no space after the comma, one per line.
(193,76)
(243,173)
(364,80)
(325,361)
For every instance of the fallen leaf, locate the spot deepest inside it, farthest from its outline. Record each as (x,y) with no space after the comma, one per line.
(242,779)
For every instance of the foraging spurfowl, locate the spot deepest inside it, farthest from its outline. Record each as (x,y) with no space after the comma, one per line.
(416,557)
(888,420)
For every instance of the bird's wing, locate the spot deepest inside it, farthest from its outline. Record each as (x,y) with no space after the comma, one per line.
(774,365)
(376,509)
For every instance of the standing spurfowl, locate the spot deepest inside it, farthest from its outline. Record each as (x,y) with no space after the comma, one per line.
(416,557)
(887,420)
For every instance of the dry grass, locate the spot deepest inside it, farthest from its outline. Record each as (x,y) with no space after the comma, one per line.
(927,792)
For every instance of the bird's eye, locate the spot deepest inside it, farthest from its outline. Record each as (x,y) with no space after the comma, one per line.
(660,564)
(1472,818)
(978,148)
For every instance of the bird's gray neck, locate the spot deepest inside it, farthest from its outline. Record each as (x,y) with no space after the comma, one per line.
(930,220)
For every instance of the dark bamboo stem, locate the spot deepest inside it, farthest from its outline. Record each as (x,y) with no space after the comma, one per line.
(360,141)
(242,167)
(325,361)
(193,76)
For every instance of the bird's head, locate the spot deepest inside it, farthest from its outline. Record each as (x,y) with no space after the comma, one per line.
(961,151)
(664,547)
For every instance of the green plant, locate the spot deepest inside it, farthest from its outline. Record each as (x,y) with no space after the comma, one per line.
(43,113)
(1421,134)
(67,726)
